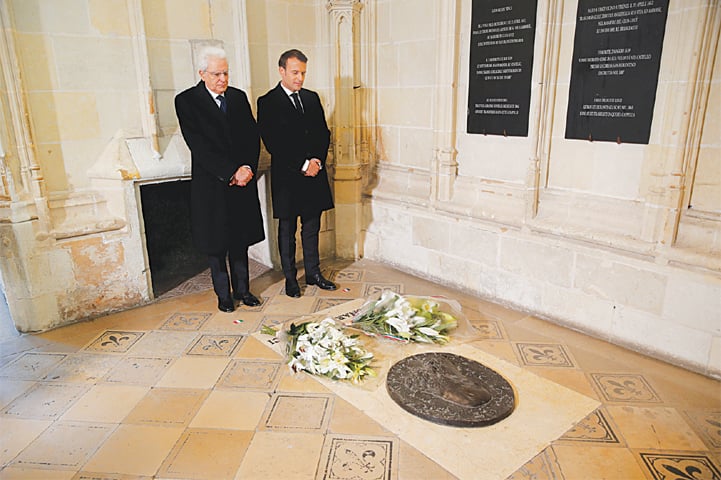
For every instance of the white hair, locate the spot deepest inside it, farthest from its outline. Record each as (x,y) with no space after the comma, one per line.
(207,53)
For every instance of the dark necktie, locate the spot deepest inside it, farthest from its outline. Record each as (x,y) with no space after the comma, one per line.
(221,99)
(296,102)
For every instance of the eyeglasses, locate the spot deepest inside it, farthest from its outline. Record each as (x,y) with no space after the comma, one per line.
(217,74)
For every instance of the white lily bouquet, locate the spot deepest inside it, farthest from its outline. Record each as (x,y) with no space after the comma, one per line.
(321,348)
(408,319)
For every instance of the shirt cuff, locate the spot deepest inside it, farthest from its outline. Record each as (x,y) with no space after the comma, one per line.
(307,162)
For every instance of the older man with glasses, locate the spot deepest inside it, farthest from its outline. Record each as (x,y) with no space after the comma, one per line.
(218,126)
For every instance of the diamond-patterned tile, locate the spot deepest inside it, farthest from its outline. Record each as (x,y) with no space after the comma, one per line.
(543,466)
(594,428)
(488,329)
(326,302)
(680,466)
(217,345)
(346,275)
(186,321)
(544,355)
(114,341)
(376,289)
(615,387)
(250,375)
(31,366)
(708,425)
(89,367)
(298,412)
(139,371)
(276,321)
(45,400)
(348,457)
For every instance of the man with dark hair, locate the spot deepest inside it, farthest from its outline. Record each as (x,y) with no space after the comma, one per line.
(222,135)
(294,130)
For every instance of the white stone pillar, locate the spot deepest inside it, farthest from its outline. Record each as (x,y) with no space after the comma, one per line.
(27,193)
(445,166)
(148,111)
(548,38)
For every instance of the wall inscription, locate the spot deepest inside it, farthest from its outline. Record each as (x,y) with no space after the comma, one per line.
(616,59)
(501,62)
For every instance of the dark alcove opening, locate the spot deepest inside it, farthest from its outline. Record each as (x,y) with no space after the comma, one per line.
(166,215)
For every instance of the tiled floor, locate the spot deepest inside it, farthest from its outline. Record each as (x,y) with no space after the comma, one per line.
(178,390)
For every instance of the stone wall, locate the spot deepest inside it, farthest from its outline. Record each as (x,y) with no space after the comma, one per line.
(617,240)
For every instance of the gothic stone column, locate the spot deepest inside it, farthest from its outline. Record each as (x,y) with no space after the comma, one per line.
(346,125)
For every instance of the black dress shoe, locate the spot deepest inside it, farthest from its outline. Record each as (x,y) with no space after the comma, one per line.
(320,281)
(226,305)
(247,298)
(292,289)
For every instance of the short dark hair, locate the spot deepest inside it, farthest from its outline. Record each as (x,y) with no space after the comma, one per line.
(292,53)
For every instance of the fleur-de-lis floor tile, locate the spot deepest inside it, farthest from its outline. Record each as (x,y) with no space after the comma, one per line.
(341,276)
(217,345)
(186,321)
(488,329)
(31,366)
(116,341)
(374,289)
(624,388)
(665,466)
(707,424)
(544,354)
(594,428)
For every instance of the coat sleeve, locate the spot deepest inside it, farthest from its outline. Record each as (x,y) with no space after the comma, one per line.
(249,150)
(320,136)
(207,155)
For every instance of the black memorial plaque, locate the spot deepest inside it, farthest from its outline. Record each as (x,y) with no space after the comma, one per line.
(616,58)
(500,67)
(450,390)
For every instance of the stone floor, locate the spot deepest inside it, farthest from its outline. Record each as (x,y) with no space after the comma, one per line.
(178,390)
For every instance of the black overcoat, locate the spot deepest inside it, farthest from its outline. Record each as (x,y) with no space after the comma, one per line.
(222,216)
(291,138)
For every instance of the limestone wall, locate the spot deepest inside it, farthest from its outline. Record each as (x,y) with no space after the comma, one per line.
(618,240)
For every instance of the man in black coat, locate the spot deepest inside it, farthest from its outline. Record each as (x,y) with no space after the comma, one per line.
(294,130)
(222,135)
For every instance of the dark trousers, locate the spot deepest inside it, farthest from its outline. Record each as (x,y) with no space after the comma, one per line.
(310,228)
(239,276)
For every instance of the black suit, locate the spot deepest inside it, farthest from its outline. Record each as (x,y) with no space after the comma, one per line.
(225,219)
(292,137)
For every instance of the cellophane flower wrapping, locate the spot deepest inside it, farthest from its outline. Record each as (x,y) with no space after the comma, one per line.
(408,318)
(322,348)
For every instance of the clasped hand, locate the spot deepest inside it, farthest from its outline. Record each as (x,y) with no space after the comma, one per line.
(313,168)
(241,177)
